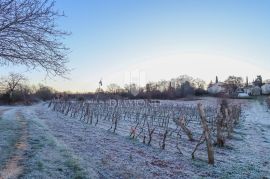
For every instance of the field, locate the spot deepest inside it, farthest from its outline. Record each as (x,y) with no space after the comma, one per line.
(134,139)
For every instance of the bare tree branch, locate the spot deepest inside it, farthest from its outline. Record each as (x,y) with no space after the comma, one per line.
(30,37)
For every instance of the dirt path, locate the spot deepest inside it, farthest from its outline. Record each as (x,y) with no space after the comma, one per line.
(258,124)
(13,167)
(29,150)
(255,148)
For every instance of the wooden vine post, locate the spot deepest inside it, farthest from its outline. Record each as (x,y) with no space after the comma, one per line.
(229,122)
(181,122)
(207,135)
(220,137)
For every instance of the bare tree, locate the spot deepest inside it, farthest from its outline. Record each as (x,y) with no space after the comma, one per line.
(113,88)
(234,82)
(11,83)
(30,37)
(199,83)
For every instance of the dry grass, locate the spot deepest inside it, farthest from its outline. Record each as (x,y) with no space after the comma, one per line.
(13,167)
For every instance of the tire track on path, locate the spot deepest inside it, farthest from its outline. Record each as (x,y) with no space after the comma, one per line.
(13,167)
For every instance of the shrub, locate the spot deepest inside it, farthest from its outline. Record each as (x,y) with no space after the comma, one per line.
(45,93)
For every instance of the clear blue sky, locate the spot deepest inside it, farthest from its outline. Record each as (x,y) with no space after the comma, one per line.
(111,38)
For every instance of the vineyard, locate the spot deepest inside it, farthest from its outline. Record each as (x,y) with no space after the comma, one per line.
(179,128)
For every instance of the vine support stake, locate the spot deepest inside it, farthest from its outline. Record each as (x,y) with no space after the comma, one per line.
(207,135)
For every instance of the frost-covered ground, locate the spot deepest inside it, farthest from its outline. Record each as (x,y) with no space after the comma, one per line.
(63,147)
(29,150)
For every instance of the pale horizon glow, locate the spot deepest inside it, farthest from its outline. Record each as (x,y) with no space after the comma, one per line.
(124,41)
(201,66)
(154,69)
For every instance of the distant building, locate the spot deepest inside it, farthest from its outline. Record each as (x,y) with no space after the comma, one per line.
(217,88)
(266,88)
(249,89)
(252,90)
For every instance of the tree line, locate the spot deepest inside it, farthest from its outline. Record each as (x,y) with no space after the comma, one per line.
(180,87)
(14,88)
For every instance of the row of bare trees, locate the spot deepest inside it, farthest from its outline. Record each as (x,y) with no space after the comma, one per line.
(170,126)
(14,88)
(182,86)
(179,87)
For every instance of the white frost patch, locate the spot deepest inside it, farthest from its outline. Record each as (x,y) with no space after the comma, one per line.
(266,89)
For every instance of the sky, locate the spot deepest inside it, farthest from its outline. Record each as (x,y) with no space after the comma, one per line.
(123,41)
